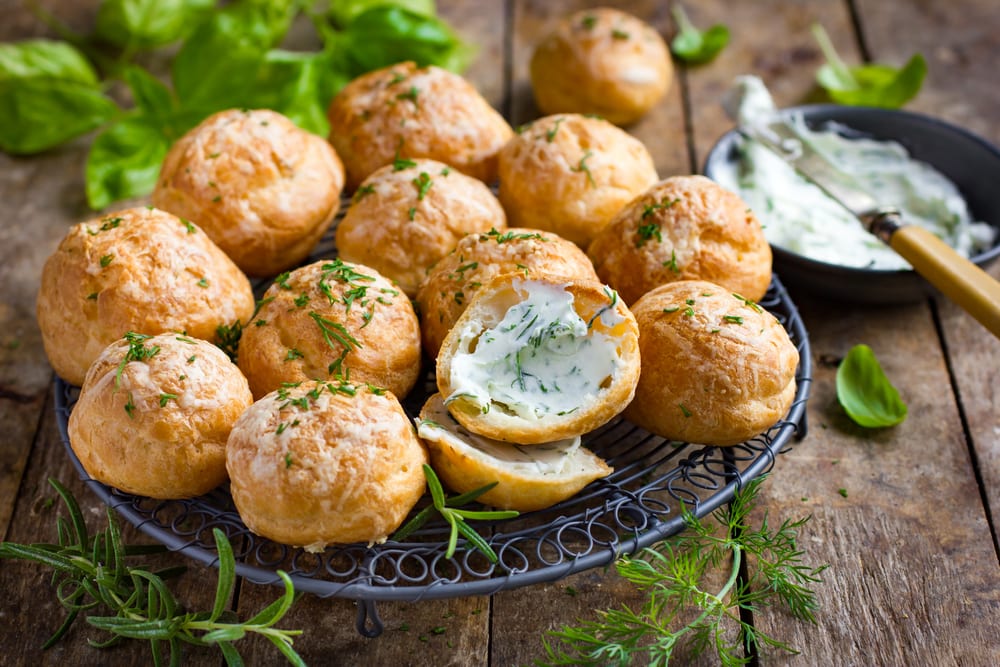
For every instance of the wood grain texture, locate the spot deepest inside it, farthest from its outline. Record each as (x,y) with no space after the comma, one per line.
(909,547)
(914,576)
(960,44)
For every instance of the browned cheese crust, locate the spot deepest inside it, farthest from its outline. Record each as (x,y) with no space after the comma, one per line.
(406,217)
(140,270)
(325,463)
(601,61)
(478,258)
(684,228)
(717,369)
(154,415)
(261,187)
(608,321)
(332,318)
(570,174)
(403,111)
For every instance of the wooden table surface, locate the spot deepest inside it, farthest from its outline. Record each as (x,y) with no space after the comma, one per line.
(911,544)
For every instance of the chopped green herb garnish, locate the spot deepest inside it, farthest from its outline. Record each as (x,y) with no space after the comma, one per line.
(106,259)
(189,226)
(735,319)
(423,183)
(164,398)
(648,232)
(550,134)
(363,191)
(684,410)
(203,282)
(582,167)
(293,354)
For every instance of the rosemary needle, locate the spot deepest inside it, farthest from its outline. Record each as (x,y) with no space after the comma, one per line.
(92,575)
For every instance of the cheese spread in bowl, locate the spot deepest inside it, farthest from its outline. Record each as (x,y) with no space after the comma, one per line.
(935,173)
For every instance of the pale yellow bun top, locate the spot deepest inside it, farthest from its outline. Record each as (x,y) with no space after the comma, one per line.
(570,174)
(684,228)
(264,189)
(403,111)
(140,270)
(528,478)
(407,216)
(154,415)
(601,61)
(532,360)
(717,369)
(325,462)
(327,319)
(478,258)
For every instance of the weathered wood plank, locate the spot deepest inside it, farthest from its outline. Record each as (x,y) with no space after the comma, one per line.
(31,611)
(912,517)
(960,45)
(41,196)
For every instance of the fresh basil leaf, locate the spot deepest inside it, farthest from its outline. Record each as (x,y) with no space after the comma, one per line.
(864,391)
(45,58)
(299,86)
(149,93)
(38,114)
(218,65)
(694,46)
(874,85)
(48,94)
(384,35)
(147,24)
(124,160)
(342,12)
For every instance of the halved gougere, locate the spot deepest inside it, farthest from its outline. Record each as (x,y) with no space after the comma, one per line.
(533,360)
(527,478)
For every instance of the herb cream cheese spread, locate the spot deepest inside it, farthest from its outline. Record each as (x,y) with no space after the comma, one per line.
(541,359)
(799,217)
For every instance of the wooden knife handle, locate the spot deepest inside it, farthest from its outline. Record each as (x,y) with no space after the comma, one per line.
(974,290)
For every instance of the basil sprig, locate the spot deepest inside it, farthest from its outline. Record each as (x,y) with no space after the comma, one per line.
(229,56)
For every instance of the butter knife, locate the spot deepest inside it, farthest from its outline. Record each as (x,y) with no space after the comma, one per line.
(971,288)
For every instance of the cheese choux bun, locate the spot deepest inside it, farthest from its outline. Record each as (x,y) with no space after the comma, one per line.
(141,270)
(408,215)
(601,61)
(717,369)
(154,415)
(478,258)
(403,111)
(262,188)
(571,174)
(325,462)
(528,478)
(332,319)
(533,360)
(684,228)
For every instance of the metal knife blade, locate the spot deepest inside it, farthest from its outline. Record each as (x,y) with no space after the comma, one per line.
(963,282)
(780,138)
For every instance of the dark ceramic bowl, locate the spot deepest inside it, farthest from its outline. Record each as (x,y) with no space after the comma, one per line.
(969,161)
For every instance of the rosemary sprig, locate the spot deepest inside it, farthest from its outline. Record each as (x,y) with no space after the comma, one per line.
(456,518)
(91,574)
(671,573)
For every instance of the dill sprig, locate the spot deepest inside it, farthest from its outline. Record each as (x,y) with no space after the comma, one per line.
(671,573)
(457,518)
(91,575)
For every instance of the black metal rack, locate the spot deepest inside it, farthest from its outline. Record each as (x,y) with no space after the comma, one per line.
(637,505)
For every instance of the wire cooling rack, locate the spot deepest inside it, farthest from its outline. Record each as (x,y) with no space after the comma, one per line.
(635,506)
